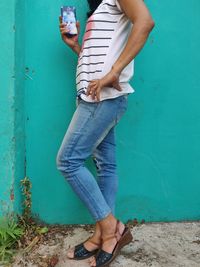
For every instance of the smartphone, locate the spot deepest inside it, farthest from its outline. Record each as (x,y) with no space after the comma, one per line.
(68,14)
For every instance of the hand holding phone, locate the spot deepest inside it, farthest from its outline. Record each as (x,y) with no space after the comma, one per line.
(70,40)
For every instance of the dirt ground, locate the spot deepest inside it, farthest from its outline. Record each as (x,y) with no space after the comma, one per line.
(155,244)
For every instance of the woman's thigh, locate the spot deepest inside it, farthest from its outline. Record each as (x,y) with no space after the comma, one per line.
(90,124)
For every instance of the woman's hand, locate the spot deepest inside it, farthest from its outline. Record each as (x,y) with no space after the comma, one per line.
(111,79)
(73,41)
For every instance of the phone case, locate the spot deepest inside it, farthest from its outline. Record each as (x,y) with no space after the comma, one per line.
(68,14)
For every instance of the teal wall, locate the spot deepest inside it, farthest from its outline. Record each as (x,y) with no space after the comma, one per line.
(20,94)
(158,137)
(12,126)
(7,62)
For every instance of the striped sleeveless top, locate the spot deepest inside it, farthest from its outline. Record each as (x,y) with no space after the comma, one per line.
(106,34)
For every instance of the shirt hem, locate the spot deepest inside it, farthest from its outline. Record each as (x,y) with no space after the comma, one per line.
(89,99)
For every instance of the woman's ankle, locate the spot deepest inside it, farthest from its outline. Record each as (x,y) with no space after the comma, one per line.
(108,225)
(97,230)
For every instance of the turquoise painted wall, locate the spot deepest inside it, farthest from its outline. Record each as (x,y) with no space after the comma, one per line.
(158,138)
(20,75)
(7,62)
(12,126)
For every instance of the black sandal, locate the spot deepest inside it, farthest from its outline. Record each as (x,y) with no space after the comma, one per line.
(81,253)
(103,258)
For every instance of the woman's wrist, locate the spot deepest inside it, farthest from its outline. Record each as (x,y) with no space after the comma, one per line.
(116,70)
(76,48)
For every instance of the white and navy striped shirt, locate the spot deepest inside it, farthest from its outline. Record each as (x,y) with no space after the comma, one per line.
(106,34)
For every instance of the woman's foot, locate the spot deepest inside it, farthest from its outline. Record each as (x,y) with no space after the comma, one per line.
(91,244)
(109,229)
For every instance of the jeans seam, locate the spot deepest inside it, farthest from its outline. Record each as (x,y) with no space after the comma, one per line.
(103,135)
(76,137)
(122,109)
(83,188)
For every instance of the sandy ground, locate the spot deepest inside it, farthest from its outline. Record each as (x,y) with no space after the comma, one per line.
(157,245)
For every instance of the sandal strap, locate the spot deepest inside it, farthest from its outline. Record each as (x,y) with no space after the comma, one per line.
(80,252)
(113,235)
(110,237)
(102,257)
(93,242)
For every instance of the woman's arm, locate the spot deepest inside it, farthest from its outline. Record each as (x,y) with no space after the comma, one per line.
(143,23)
(76,48)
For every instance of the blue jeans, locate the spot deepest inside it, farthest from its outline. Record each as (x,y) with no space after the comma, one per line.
(91,133)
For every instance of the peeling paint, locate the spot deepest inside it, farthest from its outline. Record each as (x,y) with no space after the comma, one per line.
(11,194)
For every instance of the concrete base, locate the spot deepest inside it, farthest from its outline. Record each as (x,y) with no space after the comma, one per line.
(158,244)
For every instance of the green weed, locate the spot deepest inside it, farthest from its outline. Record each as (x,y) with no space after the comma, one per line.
(10,233)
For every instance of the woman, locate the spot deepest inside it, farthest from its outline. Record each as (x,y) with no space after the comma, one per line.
(116,31)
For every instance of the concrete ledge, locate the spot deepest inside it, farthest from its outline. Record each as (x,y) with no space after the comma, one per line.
(156,244)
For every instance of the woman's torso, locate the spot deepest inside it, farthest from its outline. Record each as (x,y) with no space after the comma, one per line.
(106,34)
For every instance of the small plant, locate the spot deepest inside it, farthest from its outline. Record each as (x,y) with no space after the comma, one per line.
(26,220)
(22,232)
(32,230)
(27,202)
(10,233)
